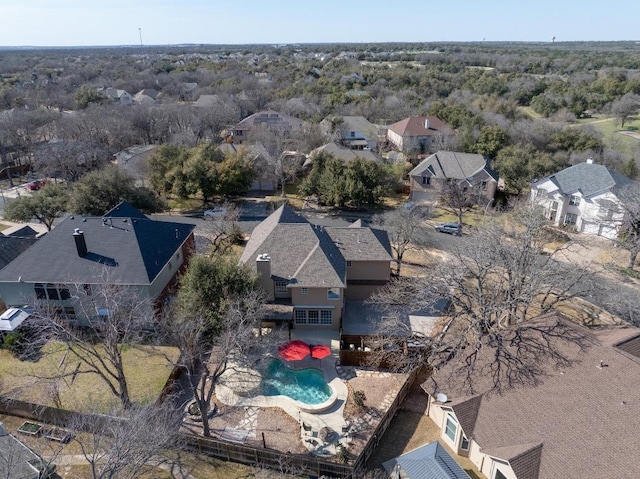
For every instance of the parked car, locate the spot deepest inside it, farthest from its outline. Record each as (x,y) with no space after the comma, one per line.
(450,228)
(35,185)
(216,213)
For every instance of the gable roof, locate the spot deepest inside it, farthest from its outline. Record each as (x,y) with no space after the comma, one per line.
(133,248)
(342,153)
(452,164)
(588,179)
(359,124)
(16,458)
(358,243)
(300,252)
(431,461)
(597,407)
(271,119)
(415,126)
(12,246)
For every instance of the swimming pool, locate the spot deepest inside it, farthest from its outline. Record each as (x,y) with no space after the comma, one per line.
(305,385)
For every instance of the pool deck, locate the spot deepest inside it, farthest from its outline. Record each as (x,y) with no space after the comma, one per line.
(311,425)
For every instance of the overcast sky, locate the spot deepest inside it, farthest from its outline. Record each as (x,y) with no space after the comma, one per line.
(119,22)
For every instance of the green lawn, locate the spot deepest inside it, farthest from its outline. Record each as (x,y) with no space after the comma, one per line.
(146,368)
(609,128)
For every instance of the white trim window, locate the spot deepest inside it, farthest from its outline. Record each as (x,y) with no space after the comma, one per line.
(570,219)
(281,287)
(313,317)
(498,474)
(333,294)
(450,427)
(574,200)
(304,290)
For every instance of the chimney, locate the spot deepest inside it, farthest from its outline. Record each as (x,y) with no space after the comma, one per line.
(589,161)
(426,123)
(263,265)
(81,244)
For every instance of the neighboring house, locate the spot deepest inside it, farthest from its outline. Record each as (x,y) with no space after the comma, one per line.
(17,461)
(582,196)
(270,120)
(147,96)
(431,461)
(121,96)
(417,133)
(265,176)
(470,169)
(579,421)
(342,153)
(310,270)
(355,132)
(122,247)
(134,160)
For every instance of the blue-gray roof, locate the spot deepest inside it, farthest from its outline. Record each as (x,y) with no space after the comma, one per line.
(431,461)
(588,179)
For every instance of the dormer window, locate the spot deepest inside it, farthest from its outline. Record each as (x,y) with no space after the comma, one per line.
(574,200)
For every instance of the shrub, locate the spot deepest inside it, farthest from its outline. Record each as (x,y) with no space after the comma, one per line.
(359,398)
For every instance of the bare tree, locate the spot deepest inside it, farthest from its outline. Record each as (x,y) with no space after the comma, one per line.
(107,318)
(494,284)
(131,446)
(406,230)
(206,354)
(459,196)
(221,231)
(629,229)
(625,107)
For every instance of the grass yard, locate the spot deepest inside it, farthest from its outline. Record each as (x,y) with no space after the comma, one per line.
(146,368)
(609,128)
(475,217)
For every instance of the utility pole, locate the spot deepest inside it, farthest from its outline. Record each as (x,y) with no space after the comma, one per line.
(141,46)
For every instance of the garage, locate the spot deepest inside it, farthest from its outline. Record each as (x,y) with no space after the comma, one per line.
(590,228)
(607,231)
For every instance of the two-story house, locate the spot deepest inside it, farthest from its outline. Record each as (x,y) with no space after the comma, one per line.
(469,169)
(583,197)
(311,269)
(416,134)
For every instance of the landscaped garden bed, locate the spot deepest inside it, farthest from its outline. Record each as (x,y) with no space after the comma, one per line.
(58,435)
(30,428)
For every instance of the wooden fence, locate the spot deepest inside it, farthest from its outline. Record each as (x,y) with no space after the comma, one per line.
(270,458)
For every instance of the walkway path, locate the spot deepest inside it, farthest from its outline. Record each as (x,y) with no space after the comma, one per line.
(79,460)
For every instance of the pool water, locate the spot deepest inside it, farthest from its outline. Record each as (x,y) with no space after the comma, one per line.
(304,385)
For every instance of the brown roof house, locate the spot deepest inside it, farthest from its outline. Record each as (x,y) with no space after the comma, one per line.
(579,421)
(309,270)
(270,120)
(416,134)
(469,169)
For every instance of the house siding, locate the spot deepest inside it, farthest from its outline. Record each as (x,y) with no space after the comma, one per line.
(318,297)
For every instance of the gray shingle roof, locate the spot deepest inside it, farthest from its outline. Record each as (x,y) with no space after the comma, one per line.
(431,461)
(133,248)
(15,459)
(451,164)
(311,255)
(587,178)
(11,247)
(342,153)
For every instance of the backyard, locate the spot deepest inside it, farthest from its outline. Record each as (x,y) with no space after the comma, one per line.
(147,369)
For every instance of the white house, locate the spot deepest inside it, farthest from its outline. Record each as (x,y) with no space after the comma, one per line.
(582,196)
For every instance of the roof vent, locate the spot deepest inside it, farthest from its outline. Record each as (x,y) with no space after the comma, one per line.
(426,123)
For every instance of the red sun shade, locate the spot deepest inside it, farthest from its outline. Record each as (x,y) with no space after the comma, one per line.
(294,350)
(320,351)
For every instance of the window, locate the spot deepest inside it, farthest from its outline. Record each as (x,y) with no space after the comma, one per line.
(451,428)
(353,134)
(281,286)
(464,444)
(87,289)
(67,312)
(570,219)
(326,317)
(349,264)
(574,200)
(301,316)
(483,185)
(304,290)
(499,475)
(51,292)
(426,180)
(333,293)
(313,317)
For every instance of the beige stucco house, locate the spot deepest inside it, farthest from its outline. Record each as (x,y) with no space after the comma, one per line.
(469,169)
(579,421)
(310,270)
